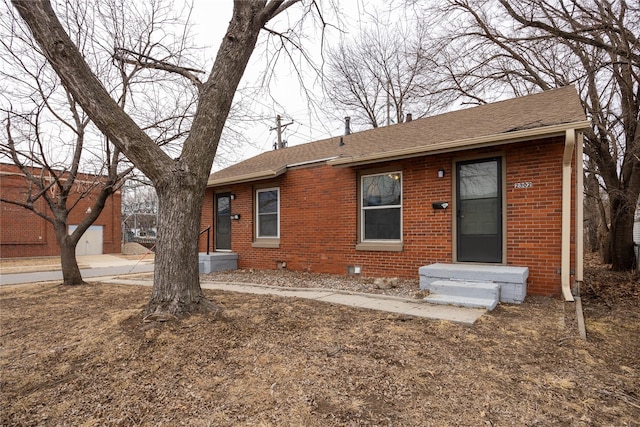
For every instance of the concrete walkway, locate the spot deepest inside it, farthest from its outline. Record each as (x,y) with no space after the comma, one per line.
(116,269)
(391,304)
(91,266)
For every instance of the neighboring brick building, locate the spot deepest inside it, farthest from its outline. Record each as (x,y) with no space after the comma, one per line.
(25,234)
(492,185)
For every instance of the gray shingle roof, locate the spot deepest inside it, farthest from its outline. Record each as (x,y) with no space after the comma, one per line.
(499,122)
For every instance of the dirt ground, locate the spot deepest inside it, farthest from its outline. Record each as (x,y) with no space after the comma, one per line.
(82,356)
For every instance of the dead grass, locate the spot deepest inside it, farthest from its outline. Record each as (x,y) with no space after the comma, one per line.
(82,356)
(23,265)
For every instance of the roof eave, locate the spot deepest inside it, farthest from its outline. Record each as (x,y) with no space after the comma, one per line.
(255,176)
(467,143)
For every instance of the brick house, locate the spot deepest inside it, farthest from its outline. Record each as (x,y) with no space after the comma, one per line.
(25,234)
(493,186)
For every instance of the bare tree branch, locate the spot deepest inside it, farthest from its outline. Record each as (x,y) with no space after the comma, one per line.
(145,61)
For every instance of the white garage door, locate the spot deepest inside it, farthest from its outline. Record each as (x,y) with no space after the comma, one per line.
(91,241)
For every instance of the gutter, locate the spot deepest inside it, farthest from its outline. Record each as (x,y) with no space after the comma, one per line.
(565,259)
(467,143)
(579,276)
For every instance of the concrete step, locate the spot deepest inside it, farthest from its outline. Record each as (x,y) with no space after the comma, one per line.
(468,302)
(464,293)
(465,289)
(494,273)
(511,279)
(217,261)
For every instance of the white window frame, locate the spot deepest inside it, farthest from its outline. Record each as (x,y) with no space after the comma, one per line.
(263,190)
(365,208)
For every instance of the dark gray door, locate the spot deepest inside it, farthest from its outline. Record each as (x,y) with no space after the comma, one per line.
(479,216)
(223,221)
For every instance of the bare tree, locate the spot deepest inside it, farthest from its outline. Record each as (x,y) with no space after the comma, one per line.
(180,182)
(165,115)
(501,47)
(387,71)
(61,190)
(40,113)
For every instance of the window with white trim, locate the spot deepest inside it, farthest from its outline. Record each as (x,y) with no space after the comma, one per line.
(268,213)
(381,206)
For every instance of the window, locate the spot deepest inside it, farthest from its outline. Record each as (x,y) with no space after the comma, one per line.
(267,213)
(381,207)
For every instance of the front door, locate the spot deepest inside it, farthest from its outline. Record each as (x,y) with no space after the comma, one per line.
(223,222)
(479,210)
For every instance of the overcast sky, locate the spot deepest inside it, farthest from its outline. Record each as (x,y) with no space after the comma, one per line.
(211,18)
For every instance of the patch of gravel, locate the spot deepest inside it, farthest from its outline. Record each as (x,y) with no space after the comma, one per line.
(133,248)
(405,288)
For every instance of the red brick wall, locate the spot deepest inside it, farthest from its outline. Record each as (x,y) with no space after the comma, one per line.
(534,214)
(24,234)
(206,220)
(319,210)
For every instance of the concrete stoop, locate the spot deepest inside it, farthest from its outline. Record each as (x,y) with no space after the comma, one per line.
(469,284)
(464,294)
(217,261)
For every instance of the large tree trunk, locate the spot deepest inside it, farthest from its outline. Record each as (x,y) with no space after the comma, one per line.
(179,183)
(621,233)
(70,271)
(595,221)
(176,289)
(606,247)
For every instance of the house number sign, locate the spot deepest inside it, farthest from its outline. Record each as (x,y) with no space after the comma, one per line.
(525,184)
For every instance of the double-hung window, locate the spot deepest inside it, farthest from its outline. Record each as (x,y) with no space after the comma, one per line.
(268,213)
(381,218)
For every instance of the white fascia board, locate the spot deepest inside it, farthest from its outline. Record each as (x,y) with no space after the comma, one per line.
(254,176)
(310,162)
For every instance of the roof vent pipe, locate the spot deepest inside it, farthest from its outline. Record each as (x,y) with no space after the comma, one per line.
(408,118)
(347,127)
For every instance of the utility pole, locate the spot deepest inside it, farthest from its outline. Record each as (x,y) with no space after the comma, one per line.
(388,103)
(279,127)
(279,130)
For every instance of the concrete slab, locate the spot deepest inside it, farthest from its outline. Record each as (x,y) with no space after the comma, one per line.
(346,299)
(267,290)
(465,316)
(389,304)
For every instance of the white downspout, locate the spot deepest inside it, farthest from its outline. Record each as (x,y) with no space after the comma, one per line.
(565,260)
(579,211)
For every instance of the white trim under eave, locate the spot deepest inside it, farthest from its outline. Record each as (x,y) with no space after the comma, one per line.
(255,176)
(311,162)
(468,143)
